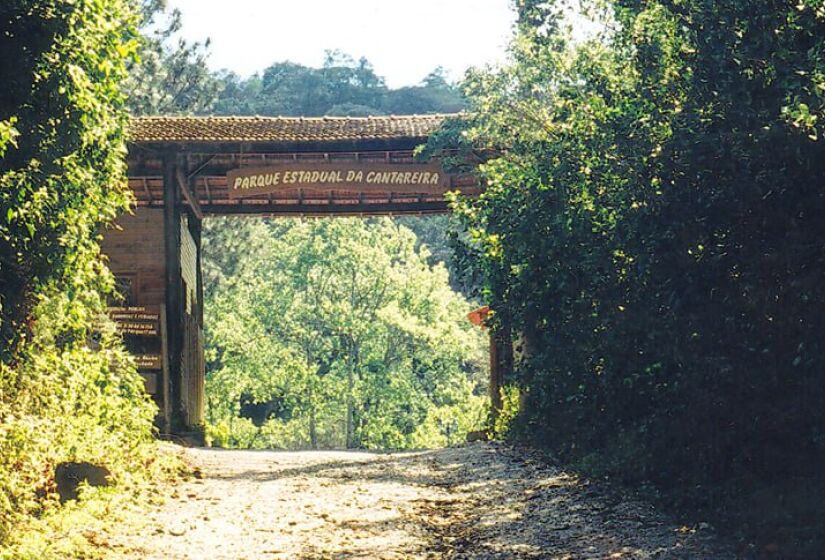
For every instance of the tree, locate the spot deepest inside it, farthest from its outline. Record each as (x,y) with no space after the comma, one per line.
(63,171)
(345,324)
(304,391)
(651,224)
(434,94)
(169,78)
(341,87)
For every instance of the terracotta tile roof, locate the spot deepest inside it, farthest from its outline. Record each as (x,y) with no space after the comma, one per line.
(281,129)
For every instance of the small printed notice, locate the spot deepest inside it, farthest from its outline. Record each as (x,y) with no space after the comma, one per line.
(141,313)
(136,321)
(359,176)
(148,361)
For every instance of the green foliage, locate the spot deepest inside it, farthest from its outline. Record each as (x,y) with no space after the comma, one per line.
(67,389)
(167,78)
(433,232)
(653,225)
(345,332)
(341,87)
(62,173)
(67,402)
(248,358)
(510,409)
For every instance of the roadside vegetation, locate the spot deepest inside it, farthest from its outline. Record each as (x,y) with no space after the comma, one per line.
(68,391)
(652,226)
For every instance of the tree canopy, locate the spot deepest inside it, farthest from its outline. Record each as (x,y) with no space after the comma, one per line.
(652,225)
(341,87)
(338,333)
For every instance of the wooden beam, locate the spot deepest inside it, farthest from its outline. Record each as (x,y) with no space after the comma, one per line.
(365,209)
(496,403)
(166,408)
(191,199)
(200,167)
(219,164)
(146,190)
(347,146)
(199,373)
(208,192)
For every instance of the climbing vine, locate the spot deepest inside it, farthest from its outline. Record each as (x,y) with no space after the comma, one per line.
(67,390)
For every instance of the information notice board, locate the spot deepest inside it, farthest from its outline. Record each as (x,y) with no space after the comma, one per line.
(141,328)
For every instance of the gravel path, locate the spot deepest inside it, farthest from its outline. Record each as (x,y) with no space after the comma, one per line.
(481,501)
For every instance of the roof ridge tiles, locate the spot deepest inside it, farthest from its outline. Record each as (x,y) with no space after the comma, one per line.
(256,128)
(283,117)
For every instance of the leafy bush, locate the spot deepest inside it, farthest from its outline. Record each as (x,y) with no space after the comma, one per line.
(67,389)
(510,409)
(653,225)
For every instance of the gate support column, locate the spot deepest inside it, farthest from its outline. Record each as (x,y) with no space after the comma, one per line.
(198,363)
(174,286)
(501,364)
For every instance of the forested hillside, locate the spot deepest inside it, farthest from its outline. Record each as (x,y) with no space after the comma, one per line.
(341,87)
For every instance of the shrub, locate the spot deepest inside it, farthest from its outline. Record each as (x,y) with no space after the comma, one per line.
(68,391)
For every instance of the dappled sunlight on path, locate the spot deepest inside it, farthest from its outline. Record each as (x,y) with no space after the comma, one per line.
(479,501)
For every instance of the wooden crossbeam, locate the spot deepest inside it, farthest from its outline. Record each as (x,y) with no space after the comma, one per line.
(366,209)
(190,197)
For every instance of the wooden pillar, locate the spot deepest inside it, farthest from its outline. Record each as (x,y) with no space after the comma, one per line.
(501,364)
(495,377)
(174,287)
(199,367)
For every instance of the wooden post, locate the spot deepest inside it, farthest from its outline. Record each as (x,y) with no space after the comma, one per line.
(166,408)
(174,286)
(501,363)
(196,230)
(495,377)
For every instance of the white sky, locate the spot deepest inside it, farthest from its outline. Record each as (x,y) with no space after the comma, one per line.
(403,39)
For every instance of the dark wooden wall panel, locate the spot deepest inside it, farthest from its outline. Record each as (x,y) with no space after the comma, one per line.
(136,253)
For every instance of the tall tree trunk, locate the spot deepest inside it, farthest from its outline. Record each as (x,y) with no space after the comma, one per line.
(350,407)
(313,429)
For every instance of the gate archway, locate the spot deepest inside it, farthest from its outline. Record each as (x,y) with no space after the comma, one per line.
(185,169)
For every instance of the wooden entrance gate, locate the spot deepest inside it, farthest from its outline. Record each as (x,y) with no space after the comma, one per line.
(185,169)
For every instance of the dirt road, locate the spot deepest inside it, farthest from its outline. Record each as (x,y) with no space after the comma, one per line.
(482,501)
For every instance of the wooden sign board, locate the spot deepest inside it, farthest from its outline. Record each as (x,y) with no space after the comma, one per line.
(149,361)
(479,316)
(141,313)
(136,321)
(138,329)
(359,176)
